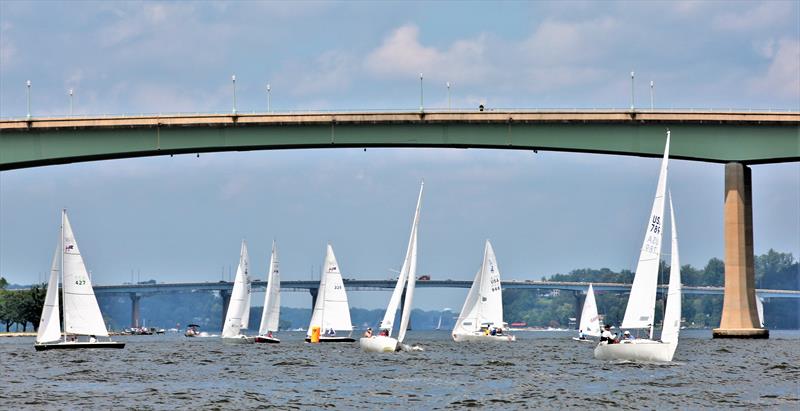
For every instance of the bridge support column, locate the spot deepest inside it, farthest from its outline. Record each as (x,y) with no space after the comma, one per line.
(226,301)
(739,313)
(402,308)
(135,298)
(580,297)
(314,293)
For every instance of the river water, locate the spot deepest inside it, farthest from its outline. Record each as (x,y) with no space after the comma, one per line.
(539,370)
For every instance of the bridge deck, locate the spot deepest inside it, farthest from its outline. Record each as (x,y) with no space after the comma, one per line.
(748,137)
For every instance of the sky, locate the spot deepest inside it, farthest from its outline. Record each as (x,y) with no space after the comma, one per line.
(181,218)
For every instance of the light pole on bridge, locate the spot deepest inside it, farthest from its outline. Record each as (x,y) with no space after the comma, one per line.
(233,80)
(269,97)
(632,106)
(28,83)
(421,107)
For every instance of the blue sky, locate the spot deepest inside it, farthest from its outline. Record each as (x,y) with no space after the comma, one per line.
(181,218)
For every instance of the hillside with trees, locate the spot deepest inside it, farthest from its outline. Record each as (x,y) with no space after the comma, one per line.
(545,308)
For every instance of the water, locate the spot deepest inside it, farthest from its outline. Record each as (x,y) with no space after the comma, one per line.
(540,370)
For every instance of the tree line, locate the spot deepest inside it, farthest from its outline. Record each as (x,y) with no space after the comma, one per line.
(774,270)
(542,308)
(21,307)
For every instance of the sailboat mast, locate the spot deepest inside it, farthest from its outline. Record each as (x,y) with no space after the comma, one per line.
(61,271)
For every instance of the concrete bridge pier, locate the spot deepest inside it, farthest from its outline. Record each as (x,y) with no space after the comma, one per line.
(226,301)
(314,293)
(739,312)
(135,299)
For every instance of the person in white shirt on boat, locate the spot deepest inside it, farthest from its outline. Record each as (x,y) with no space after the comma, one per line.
(92,339)
(581,335)
(368,333)
(627,336)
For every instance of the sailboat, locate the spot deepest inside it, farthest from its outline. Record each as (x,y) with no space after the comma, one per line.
(640,310)
(81,313)
(238,315)
(272,302)
(760,310)
(407,279)
(331,310)
(590,320)
(481,317)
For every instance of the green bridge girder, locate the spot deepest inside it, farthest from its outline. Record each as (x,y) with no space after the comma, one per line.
(749,138)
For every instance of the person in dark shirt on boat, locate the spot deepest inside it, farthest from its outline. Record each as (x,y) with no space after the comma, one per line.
(606,335)
(384,332)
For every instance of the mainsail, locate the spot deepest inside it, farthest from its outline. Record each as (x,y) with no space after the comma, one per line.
(484,303)
(672,312)
(642,300)
(239,307)
(81,313)
(411,263)
(590,320)
(272,297)
(331,310)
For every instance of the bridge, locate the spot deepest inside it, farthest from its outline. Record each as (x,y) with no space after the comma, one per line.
(224,288)
(736,139)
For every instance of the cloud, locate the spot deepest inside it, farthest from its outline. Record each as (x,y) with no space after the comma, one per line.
(332,71)
(765,15)
(402,54)
(8,50)
(556,43)
(782,78)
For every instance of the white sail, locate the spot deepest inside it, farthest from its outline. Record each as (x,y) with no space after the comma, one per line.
(760,309)
(81,313)
(590,320)
(332,310)
(272,296)
(394,301)
(642,300)
(484,304)
(411,264)
(239,307)
(672,312)
(49,325)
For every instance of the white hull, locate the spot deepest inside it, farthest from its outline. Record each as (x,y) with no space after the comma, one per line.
(583,339)
(636,350)
(239,339)
(378,343)
(483,338)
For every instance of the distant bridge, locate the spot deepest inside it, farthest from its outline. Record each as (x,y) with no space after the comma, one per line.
(380,285)
(224,288)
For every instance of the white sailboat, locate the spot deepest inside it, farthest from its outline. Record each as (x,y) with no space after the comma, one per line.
(760,310)
(331,310)
(590,320)
(81,313)
(272,302)
(407,279)
(481,318)
(238,314)
(640,311)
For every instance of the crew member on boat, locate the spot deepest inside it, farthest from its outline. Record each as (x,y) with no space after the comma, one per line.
(606,335)
(368,333)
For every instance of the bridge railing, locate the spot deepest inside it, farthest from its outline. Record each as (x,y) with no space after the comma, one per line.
(53,116)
